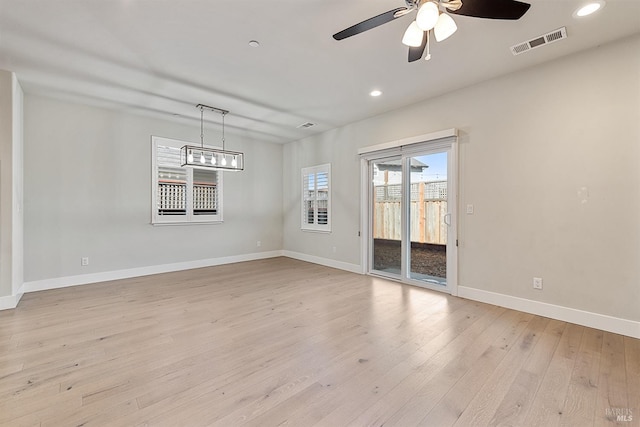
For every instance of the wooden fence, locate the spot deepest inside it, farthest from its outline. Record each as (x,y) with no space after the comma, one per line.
(426,213)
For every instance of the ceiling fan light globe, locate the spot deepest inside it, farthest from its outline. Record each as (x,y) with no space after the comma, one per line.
(427,16)
(445,27)
(412,36)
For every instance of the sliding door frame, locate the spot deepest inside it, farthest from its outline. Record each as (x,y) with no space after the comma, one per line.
(421,144)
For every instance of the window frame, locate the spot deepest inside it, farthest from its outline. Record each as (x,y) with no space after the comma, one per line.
(315,226)
(189,218)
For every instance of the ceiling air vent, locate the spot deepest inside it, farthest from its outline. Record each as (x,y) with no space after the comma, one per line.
(306,125)
(553,36)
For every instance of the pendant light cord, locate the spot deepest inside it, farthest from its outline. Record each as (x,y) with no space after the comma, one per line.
(202,126)
(217,110)
(223,114)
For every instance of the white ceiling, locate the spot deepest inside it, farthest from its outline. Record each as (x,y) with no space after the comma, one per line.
(162,57)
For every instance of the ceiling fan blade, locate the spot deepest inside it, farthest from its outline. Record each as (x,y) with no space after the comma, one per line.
(492,9)
(370,23)
(415,53)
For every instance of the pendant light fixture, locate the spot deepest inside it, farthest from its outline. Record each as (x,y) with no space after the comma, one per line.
(211,158)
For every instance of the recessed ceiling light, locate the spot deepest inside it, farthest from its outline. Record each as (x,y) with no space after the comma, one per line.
(588,9)
(375,93)
(254,43)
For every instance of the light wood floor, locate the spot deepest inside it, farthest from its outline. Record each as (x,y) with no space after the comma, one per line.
(283,342)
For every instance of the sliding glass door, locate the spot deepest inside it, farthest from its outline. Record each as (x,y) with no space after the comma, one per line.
(386,211)
(411,216)
(428,218)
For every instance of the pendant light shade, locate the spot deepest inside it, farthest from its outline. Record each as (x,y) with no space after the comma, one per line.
(427,16)
(445,27)
(413,35)
(212,158)
(208,157)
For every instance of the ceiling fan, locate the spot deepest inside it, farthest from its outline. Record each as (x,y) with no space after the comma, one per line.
(432,15)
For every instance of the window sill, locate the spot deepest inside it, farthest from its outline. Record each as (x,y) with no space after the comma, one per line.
(162,224)
(307,230)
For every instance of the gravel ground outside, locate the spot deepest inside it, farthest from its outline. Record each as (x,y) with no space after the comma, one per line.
(426,259)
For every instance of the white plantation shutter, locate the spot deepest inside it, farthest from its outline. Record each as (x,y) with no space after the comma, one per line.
(322,197)
(308,198)
(205,192)
(182,194)
(316,198)
(172,182)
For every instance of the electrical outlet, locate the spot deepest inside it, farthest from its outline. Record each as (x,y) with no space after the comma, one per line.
(334,249)
(537,283)
(469,209)
(258,243)
(84,261)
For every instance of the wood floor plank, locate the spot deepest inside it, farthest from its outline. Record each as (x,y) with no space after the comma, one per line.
(285,342)
(519,398)
(357,394)
(411,399)
(612,381)
(380,366)
(252,405)
(632,365)
(580,402)
(455,401)
(486,402)
(548,403)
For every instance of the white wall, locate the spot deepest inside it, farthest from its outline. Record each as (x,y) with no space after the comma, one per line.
(345,197)
(528,143)
(88,194)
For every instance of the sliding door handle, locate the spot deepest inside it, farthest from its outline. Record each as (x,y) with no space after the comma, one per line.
(447,219)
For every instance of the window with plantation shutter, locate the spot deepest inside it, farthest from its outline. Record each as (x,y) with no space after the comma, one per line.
(182,194)
(316,198)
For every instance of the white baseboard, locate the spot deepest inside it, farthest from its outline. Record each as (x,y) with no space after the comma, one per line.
(354,268)
(85,279)
(616,325)
(10,301)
